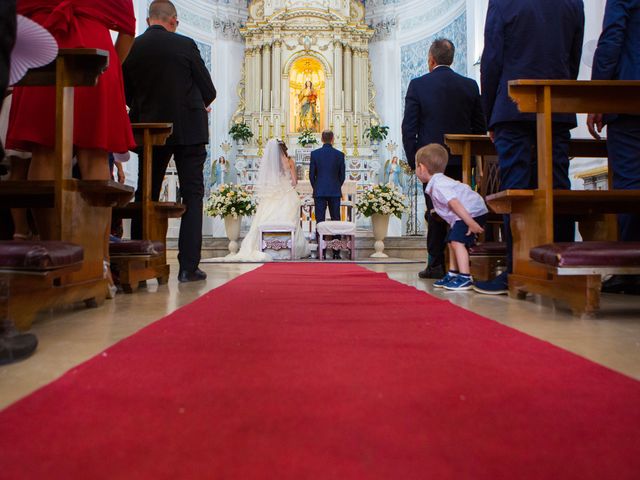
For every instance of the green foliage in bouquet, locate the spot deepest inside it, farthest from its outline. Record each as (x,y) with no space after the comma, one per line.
(384,199)
(376,133)
(307,138)
(230,200)
(240,131)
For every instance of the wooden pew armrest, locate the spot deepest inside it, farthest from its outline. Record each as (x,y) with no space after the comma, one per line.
(41,193)
(162,209)
(501,202)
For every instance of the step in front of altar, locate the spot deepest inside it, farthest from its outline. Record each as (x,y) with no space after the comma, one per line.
(408,247)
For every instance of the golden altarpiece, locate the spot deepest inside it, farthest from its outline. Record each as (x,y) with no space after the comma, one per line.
(306,68)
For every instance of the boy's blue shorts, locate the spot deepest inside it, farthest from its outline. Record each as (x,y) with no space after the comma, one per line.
(458,233)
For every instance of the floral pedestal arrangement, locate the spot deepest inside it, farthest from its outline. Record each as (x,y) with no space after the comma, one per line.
(380,225)
(232,227)
(231,202)
(380,202)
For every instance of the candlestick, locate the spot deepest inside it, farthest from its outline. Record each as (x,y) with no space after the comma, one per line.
(283,128)
(260,139)
(355,140)
(271,128)
(344,137)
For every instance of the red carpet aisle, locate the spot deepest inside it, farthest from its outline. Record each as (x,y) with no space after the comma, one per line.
(327,372)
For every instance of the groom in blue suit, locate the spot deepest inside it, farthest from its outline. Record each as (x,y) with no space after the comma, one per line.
(327,174)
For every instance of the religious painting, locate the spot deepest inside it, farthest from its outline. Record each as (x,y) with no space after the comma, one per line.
(306,95)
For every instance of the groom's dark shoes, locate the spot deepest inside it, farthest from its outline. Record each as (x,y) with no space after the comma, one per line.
(193,276)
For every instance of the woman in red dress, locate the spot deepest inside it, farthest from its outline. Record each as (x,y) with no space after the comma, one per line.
(101,124)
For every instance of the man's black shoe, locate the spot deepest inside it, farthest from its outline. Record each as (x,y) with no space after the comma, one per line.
(629,284)
(194,276)
(433,271)
(16,347)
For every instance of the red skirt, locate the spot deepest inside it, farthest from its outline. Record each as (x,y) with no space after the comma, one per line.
(100,115)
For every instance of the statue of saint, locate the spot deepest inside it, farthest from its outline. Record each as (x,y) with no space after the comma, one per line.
(393,172)
(309,118)
(219,171)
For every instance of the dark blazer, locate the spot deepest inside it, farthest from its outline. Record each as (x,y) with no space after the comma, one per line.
(7,40)
(166,80)
(528,39)
(617,56)
(327,171)
(437,103)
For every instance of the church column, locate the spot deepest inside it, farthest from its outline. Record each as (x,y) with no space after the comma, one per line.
(250,80)
(365,81)
(337,79)
(266,78)
(275,74)
(357,85)
(348,77)
(257,62)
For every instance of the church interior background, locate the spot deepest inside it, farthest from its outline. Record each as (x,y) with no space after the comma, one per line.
(284,66)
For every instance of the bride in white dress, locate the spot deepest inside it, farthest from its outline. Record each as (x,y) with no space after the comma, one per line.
(278,203)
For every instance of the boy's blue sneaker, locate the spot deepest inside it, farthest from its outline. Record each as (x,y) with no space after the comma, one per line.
(444,280)
(460,283)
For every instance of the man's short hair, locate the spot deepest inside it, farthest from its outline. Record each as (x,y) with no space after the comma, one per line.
(327,136)
(162,10)
(433,156)
(442,50)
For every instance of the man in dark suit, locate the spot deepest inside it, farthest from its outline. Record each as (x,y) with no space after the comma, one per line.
(528,39)
(437,103)
(166,80)
(617,57)
(327,174)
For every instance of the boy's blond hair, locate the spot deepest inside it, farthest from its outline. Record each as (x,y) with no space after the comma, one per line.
(433,156)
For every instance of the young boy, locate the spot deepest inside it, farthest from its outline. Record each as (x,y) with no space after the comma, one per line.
(462,208)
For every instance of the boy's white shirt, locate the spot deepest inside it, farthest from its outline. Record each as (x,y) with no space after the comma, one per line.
(443,189)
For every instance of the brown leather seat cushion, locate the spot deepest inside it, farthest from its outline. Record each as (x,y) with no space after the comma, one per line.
(136,247)
(489,248)
(588,254)
(41,255)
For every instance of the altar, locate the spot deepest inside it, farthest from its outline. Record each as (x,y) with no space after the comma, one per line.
(306,69)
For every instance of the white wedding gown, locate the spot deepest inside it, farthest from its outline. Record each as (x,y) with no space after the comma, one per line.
(278,203)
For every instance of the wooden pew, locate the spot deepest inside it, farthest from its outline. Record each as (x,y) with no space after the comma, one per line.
(485,261)
(79,209)
(532,211)
(468,146)
(138,266)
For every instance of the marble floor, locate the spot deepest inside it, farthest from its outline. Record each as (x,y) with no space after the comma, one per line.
(71,336)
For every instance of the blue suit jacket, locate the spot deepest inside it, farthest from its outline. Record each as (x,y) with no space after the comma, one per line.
(528,39)
(327,171)
(437,103)
(618,54)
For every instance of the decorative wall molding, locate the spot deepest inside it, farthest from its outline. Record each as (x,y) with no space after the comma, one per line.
(384,29)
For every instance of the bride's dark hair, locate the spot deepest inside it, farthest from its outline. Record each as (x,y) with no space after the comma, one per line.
(283,147)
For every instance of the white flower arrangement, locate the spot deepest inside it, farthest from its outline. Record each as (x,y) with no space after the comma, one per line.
(230,200)
(384,199)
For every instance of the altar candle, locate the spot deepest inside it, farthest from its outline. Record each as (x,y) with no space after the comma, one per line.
(271,107)
(260,105)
